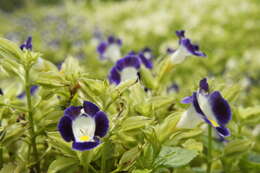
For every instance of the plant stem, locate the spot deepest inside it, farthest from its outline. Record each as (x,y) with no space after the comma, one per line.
(209,149)
(1,157)
(103,158)
(31,121)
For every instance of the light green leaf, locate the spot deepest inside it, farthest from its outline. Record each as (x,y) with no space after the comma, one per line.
(237,147)
(135,122)
(174,157)
(61,163)
(142,171)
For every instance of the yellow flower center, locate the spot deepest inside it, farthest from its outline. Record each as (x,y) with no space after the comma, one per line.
(84,138)
(214,123)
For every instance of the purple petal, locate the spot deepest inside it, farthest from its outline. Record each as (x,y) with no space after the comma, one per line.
(65,128)
(27,45)
(192,48)
(114,76)
(131,53)
(81,146)
(220,108)
(111,39)
(147,49)
(33,89)
(187,100)
(102,48)
(223,131)
(102,124)
(128,61)
(148,64)
(119,42)
(180,33)
(72,112)
(204,85)
(90,108)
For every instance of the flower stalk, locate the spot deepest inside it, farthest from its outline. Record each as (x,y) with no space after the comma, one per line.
(209,157)
(31,120)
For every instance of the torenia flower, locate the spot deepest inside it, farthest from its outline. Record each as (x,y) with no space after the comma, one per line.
(27,44)
(110,49)
(146,57)
(84,125)
(186,48)
(211,108)
(125,69)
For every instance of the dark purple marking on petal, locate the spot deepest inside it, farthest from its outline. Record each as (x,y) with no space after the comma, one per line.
(204,86)
(90,108)
(111,39)
(114,76)
(196,104)
(147,63)
(102,48)
(220,108)
(146,49)
(223,131)
(65,128)
(187,100)
(81,146)
(192,48)
(131,53)
(72,112)
(128,61)
(170,50)
(180,33)
(33,89)
(27,45)
(119,42)
(1,92)
(102,124)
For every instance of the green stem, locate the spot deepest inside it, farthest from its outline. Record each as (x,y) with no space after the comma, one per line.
(31,121)
(103,158)
(1,157)
(209,159)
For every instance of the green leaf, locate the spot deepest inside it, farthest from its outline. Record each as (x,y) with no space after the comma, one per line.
(135,122)
(128,159)
(147,78)
(192,144)
(237,147)
(174,157)
(57,142)
(142,171)
(61,163)
(10,48)
(248,112)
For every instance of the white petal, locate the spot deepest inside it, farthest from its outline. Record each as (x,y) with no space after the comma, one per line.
(129,73)
(83,126)
(206,107)
(189,119)
(113,52)
(179,55)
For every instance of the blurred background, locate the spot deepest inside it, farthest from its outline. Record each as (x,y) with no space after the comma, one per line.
(227,31)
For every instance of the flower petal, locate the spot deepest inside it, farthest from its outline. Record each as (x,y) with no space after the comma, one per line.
(114,76)
(102,124)
(223,131)
(72,111)
(189,119)
(187,100)
(204,86)
(102,48)
(128,61)
(220,108)
(191,48)
(81,146)
(65,128)
(148,63)
(90,108)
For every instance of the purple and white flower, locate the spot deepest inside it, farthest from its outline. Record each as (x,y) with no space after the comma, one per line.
(125,69)
(186,48)
(211,108)
(110,49)
(84,126)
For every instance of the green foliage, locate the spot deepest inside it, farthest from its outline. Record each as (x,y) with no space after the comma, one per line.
(143,136)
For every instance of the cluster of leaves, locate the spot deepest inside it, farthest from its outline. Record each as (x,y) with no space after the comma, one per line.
(143,137)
